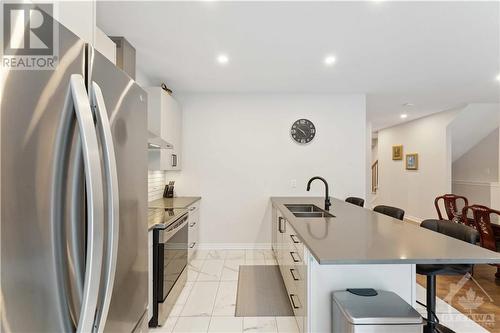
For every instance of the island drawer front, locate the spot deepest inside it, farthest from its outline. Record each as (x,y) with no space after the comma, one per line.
(299,249)
(289,252)
(294,272)
(298,309)
(295,242)
(286,272)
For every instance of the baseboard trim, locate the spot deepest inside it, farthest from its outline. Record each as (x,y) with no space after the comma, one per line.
(475,183)
(234,246)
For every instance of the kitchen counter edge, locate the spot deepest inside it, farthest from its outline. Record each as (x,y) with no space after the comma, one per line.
(175,202)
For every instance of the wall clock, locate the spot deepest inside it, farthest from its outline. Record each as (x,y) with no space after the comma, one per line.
(303,131)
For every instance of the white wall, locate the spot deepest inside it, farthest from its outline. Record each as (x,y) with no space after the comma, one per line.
(472,124)
(238,152)
(476,173)
(141,78)
(479,164)
(415,191)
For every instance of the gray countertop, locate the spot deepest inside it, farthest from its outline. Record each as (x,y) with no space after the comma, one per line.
(360,236)
(176,202)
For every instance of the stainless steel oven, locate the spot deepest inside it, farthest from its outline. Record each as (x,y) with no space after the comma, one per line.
(170,258)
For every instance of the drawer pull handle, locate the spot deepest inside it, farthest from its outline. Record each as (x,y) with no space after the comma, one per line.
(192,224)
(292,271)
(293,254)
(295,306)
(294,239)
(281,229)
(192,245)
(192,208)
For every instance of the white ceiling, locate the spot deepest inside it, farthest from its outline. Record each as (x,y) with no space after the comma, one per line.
(436,55)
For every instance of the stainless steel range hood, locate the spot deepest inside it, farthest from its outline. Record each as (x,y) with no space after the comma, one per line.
(155,142)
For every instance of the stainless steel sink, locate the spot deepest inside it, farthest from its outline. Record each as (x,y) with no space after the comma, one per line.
(307,211)
(303,208)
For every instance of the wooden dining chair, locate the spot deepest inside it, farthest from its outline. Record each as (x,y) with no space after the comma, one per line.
(487,237)
(450,202)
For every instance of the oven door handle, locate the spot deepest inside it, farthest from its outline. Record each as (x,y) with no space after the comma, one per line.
(169,233)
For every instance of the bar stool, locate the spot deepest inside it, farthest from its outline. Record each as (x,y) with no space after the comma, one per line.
(451,229)
(395,212)
(355,201)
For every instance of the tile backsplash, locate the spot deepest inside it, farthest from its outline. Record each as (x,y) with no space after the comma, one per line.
(156,184)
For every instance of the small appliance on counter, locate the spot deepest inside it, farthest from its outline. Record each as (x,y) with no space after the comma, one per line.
(168,192)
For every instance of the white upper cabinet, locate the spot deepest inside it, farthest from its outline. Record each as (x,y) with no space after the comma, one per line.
(77,16)
(164,120)
(80,18)
(105,45)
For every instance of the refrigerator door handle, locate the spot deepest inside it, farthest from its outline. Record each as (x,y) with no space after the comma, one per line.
(113,218)
(77,100)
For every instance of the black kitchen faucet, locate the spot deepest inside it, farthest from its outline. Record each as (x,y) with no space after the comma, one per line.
(327,196)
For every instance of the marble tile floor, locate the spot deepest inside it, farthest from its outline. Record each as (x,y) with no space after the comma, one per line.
(208,301)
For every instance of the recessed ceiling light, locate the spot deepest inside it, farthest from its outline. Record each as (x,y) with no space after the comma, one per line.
(222,59)
(498,77)
(403,116)
(329,60)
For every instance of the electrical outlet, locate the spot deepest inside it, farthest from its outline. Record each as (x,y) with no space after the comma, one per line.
(293,183)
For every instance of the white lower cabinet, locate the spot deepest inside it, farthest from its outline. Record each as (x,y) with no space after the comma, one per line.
(194,229)
(291,256)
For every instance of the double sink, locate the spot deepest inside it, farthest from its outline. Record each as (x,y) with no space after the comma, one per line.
(307,211)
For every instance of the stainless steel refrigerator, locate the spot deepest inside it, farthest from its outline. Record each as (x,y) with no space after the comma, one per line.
(73,196)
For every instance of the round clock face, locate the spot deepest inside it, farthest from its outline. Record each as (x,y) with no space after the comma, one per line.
(303,131)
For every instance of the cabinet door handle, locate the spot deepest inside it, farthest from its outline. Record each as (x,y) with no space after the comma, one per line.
(293,254)
(281,227)
(293,274)
(294,239)
(295,306)
(192,224)
(192,245)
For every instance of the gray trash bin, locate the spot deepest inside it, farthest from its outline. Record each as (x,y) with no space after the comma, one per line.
(383,313)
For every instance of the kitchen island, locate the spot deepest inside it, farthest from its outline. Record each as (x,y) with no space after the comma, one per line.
(357,248)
